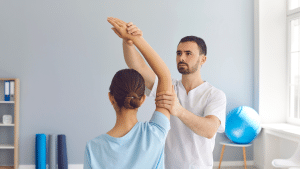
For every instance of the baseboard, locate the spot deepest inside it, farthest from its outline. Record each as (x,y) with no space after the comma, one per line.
(70,166)
(233,163)
(216,163)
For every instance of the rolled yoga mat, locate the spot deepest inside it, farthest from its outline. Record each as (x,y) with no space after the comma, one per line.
(40,151)
(62,158)
(52,151)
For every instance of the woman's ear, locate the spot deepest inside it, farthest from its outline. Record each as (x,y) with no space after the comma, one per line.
(111,99)
(143,99)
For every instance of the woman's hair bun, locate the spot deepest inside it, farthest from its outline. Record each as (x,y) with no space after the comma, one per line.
(132,101)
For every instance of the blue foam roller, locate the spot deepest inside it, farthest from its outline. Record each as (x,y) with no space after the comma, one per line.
(62,158)
(52,151)
(40,151)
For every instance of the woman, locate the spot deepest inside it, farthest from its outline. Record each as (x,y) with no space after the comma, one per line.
(131,144)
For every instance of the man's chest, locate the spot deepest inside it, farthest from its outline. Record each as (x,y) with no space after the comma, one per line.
(194,102)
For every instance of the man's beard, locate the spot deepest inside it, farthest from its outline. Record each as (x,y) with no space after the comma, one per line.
(185,69)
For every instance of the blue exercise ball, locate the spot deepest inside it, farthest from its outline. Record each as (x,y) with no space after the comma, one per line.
(242,125)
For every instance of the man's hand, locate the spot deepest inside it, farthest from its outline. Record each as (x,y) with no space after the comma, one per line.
(133,30)
(120,28)
(169,101)
(125,31)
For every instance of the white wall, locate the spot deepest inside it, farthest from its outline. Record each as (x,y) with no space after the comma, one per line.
(270,59)
(65,55)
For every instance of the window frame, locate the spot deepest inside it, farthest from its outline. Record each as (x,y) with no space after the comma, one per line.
(291,14)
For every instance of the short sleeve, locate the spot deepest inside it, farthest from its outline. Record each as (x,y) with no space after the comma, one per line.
(87,158)
(152,93)
(160,125)
(216,106)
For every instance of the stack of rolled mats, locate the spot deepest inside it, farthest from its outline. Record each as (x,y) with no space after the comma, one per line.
(57,152)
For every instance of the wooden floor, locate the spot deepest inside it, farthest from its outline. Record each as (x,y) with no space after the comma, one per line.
(6,167)
(241,167)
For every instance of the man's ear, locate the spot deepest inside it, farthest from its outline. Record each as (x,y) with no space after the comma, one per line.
(203,59)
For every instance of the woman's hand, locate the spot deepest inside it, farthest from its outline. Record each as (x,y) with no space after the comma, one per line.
(120,28)
(133,30)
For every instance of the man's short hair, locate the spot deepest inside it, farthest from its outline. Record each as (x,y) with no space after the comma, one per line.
(200,42)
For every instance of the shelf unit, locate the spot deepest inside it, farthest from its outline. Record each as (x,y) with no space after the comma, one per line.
(15,123)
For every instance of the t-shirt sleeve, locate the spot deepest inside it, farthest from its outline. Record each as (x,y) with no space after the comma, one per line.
(152,93)
(217,106)
(160,125)
(87,158)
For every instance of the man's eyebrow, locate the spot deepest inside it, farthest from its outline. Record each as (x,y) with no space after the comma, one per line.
(187,51)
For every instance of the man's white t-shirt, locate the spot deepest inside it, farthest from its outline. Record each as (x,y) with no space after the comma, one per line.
(184,149)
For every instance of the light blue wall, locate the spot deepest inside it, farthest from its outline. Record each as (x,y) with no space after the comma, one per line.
(65,55)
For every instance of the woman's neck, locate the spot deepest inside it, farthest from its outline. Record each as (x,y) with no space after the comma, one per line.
(124,123)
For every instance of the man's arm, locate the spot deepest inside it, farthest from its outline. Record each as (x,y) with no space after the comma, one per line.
(153,59)
(133,58)
(204,126)
(135,61)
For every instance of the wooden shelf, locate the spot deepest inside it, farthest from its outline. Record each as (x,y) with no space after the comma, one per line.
(6,146)
(1,124)
(16,104)
(7,101)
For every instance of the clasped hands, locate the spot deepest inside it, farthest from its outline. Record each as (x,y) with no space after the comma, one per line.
(128,31)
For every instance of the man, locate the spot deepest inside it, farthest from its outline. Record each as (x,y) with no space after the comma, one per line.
(197,107)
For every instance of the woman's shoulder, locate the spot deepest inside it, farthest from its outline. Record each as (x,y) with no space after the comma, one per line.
(158,127)
(95,141)
(158,121)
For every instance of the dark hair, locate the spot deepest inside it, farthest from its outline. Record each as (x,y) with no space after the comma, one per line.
(128,87)
(200,42)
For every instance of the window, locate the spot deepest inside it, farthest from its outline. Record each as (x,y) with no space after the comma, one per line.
(293,49)
(293,4)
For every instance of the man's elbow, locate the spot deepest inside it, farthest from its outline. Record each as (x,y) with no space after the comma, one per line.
(211,135)
(206,135)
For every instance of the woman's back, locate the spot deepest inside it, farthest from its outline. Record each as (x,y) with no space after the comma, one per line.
(141,147)
(134,145)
